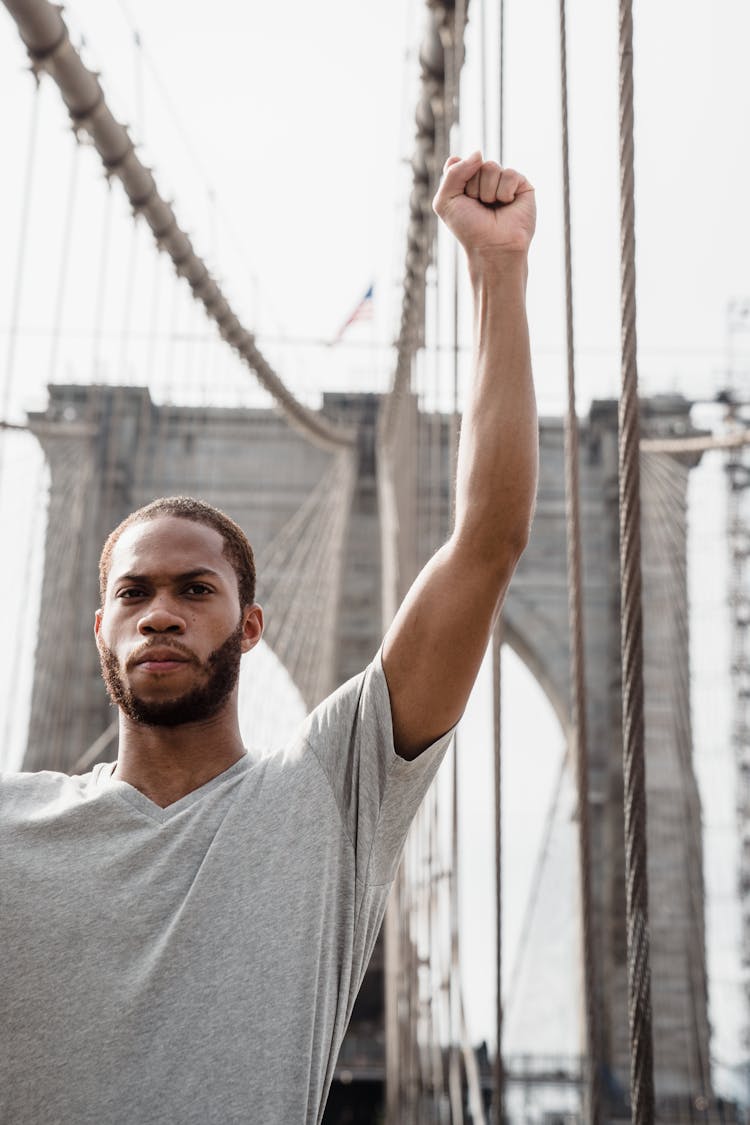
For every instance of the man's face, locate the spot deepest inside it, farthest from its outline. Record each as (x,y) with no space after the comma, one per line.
(171,632)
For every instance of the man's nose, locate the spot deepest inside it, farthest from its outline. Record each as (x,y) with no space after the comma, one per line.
(161,617)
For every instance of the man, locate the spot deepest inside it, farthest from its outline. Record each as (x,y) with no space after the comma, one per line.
(183,935)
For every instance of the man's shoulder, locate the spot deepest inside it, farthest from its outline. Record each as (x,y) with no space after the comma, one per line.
(30,790)
(346,706)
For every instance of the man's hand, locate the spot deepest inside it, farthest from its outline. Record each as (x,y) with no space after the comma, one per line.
(491,210)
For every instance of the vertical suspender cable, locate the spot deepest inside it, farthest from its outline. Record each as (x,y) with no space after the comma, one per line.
(127,303)
(21,259)
(64,262)
(455,423)
(499,1076)
(636,875)
(455,1083)
(101,286)
(501,84)
(26,622)
(497,640)
(452,91)
(483,73)
(575,616)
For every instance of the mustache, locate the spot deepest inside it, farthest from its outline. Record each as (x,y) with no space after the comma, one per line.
(143,650)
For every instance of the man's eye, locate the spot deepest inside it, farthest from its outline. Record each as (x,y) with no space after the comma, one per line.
(131,592)
(198,588)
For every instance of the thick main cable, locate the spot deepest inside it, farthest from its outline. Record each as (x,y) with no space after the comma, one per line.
(45,34)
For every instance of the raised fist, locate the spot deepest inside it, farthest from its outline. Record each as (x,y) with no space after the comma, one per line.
(491,210)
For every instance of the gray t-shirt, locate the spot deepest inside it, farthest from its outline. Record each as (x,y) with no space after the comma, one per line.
(199,963)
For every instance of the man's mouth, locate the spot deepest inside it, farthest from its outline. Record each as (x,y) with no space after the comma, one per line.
(160,659)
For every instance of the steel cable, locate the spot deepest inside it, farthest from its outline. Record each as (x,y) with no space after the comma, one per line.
(10,359)
(501,84)
(497,642)
(631,643)
(575,623)
(45,34)
(64,261)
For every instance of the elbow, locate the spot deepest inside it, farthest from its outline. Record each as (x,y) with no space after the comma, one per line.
(518,539)
(495,535)
(514,533)
(510,547)
(495,552)
(493,526)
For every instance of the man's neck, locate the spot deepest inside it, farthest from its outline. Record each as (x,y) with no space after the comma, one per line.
(167,763)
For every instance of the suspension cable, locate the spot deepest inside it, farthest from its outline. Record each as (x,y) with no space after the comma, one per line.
(21,258)
(577,652)
(127,301)
(483,73)
(101,286)
(45,34)
(64,261)
(455,1085)
(501,84)
(498,1105)
(636,873)
(499,1076)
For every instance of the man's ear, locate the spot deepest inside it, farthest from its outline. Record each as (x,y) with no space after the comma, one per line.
(252,627)
(98,622)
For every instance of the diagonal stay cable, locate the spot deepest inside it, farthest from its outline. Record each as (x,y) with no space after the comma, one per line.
(45,34)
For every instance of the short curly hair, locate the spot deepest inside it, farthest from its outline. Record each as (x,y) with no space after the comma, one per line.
(236,545)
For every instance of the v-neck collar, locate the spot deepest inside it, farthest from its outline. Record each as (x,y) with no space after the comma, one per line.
(150,808)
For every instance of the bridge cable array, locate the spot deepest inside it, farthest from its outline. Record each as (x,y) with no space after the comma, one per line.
(45,34)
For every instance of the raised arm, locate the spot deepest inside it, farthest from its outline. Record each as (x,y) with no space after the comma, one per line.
(434,647)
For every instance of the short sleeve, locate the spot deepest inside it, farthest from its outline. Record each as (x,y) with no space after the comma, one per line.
(377,792)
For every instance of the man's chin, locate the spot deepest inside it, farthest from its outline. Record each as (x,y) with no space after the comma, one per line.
(194,706)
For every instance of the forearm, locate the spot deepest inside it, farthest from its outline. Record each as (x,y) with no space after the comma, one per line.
(498,450)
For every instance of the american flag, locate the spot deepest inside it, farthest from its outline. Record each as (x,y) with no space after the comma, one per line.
(362,311)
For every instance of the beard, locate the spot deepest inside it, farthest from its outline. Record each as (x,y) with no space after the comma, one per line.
(221,669)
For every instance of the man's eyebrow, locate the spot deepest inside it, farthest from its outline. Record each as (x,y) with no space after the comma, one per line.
(186,576)
(199,572)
